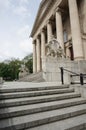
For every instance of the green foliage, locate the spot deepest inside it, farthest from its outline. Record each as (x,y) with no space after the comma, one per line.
(14,67)
(29,65)
(10,71)
(28,60)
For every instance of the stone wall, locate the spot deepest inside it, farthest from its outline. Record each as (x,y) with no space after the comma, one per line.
(51,69)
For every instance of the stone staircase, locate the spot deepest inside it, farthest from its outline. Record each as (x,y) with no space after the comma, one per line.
(35,77)
(51,107)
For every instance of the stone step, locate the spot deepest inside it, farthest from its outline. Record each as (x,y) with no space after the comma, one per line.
(74,123)
(34,93)
(37,119)
(35,100)
(79,127)
(16,89)
(41,107)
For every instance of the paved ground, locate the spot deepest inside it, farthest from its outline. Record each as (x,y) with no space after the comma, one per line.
(14,84)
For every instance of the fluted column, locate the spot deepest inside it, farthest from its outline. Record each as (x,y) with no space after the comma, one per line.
(42,43)
(38,55)
(49,30)
(75,29)
(34,58)
(59,29)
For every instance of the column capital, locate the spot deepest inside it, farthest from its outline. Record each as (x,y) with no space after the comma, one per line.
(60,10)
(42,30)
(49,21)
(33,41)
(38,36)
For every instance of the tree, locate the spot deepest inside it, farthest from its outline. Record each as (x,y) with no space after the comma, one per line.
(14,67)
(10,71)
(29,65)
(5,71)
(28,61)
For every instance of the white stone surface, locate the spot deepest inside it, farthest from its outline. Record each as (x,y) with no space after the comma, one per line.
(15,84)
(36,98)
(59,29)
(63,125)
(42,116)
(80,89)
(32,106)
(76,30)
(34,58)
(39,116)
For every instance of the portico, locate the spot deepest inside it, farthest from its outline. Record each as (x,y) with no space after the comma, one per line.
(68,21)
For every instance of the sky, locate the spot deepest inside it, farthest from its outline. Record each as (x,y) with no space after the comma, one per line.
(16,21)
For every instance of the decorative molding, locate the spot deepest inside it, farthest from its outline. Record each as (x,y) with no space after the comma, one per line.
(49,21)
(39,20)
(44,9)
(42,30)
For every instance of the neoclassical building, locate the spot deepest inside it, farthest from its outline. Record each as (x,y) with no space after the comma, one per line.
(64,20)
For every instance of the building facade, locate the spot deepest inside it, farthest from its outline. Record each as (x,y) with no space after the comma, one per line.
(64,20)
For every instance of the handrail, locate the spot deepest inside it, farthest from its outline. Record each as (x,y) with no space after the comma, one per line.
(75,74)
(69,71)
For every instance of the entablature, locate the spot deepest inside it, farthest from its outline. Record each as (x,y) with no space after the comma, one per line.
(44,9)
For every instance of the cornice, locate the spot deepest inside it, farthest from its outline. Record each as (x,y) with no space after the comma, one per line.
(44,7)
(44,4)
(38,15)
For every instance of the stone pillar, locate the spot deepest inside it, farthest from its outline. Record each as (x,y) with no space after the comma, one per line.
(49,31)
(42,43)
(75,29)
(59,29)
(34,58)
(38,55)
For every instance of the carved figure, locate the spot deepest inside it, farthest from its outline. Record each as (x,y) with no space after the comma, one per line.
(54,49)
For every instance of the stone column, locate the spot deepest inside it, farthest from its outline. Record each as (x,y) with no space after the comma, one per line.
(38,55)
(49,30)
(75,29)
(34,58)
(59,29)
(42,43)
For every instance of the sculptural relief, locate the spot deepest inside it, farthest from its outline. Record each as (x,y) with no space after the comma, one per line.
(54,49)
